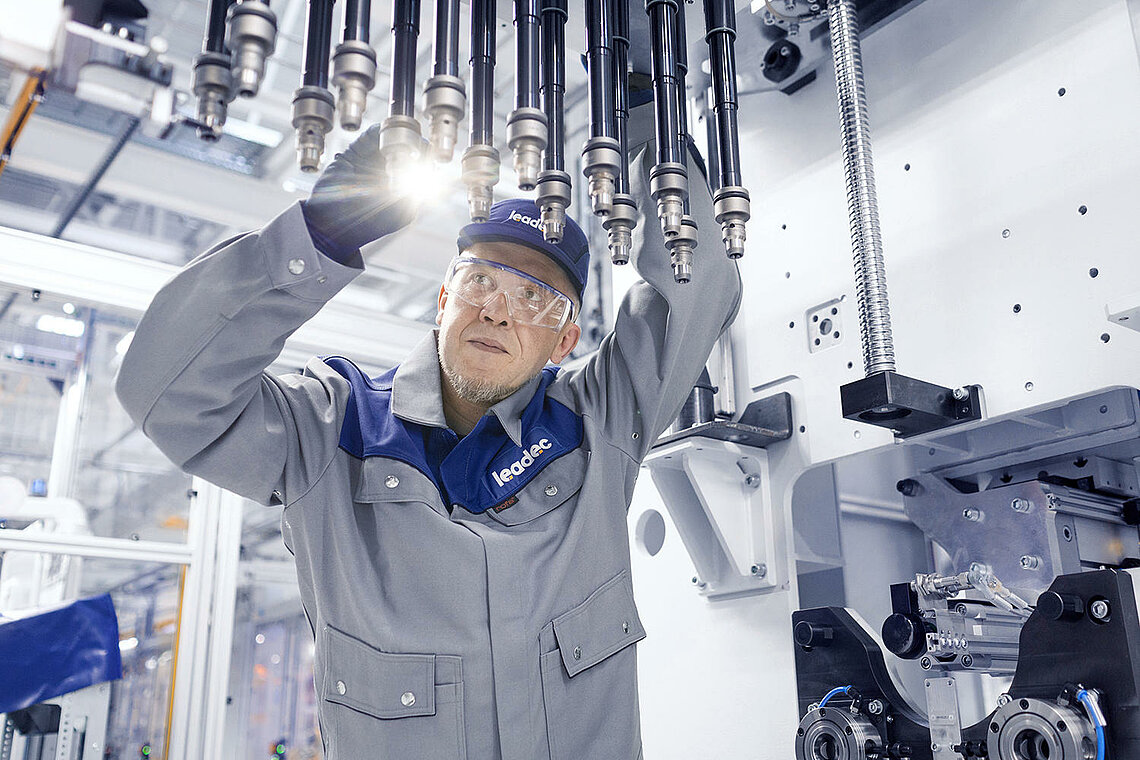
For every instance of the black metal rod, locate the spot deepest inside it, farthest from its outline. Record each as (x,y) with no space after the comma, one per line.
(599,65)
(621,92)
(482,72)
(554,81)
(215,40)
(318,42)
(527,51)
(712,141)
(358,21)
(85,191)
(405,36)
(663,47)
(720,32)
(446,50)
(682,74)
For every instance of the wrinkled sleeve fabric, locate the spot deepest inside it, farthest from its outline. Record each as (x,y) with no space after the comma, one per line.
(194,377)
(637,381)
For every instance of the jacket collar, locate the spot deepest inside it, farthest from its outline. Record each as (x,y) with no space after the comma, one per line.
(418,397)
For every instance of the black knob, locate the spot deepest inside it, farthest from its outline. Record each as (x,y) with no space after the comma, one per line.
(813,635)
(1061,606)
(905,635)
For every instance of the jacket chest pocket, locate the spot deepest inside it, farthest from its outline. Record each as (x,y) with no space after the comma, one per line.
(551,487)
(589,683)
(391,705)
(384,480)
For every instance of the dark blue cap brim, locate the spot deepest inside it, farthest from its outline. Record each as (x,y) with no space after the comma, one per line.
(512,232)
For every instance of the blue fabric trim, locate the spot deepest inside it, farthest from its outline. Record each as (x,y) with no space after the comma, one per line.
(469,471)
(58,652)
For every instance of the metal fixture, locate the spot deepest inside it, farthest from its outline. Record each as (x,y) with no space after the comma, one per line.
(212,81)
(445,98)
(252,39)
(668,179)
(481,159)
(600,153)
(731,203)
(354,62)
(313,104)
(622,218)
(400,139)
(526,126)
(553,183)
(682,245)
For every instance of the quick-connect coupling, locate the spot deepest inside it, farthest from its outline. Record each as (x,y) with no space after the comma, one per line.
(732,208)
(553,200)
(252,39)
(445,101)
(681,250)
(480,174)
(212,84)
(313,112)
(400,145)
(619,227)
(601,162)
(669,185)
(354,76)
(526,134)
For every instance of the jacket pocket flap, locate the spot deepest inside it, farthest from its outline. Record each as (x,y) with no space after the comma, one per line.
(380,684)
(605,623)
(551,487)
(382,480)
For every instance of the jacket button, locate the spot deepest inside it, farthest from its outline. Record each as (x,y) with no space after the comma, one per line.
(552,490)
(296,266)
(391,481)
(625,627)
(407,699)
(577,653)
(341,688)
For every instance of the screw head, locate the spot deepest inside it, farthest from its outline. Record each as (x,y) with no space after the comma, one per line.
(1100,610)
(967,661)
(926,663)
(1030,562)
(1004,699)
(1021,505)
(961,394)
(973,514)
(875,707)
(760,570)
(752,481)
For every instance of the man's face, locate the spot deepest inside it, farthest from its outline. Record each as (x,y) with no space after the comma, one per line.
(485,353)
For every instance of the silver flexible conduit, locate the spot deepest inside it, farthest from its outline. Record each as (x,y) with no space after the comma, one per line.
(862,204)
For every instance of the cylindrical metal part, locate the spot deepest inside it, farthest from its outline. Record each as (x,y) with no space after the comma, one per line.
(553,81)
(313,111)
(354,76)
(621,95)
(681,248)
(318,43)
(211,81)
(720,33)
(405,35)
(1036,728)
(619,227)
(480,174)
(482,72)
(358,21)
(827,732)
(663,52)
(599,66)
(862,204)
(446,48)
(527,53)
(215,39)
(252,38)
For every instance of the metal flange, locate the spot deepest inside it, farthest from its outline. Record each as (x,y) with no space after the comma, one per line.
(619,226)
(526,135)
(827,732)
(1037,728)
(732,208)
(553,200)
(313,111)
(445,101)
(252,39)
(354,76)
(601,162)
(669,185)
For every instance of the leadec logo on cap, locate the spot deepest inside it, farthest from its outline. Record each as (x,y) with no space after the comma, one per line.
(528,220)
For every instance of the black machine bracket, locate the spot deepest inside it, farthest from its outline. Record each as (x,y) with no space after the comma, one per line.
(909,406)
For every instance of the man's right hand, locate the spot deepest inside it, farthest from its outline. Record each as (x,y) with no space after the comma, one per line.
(350,205)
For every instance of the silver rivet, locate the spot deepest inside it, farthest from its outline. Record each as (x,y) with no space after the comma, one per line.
(296,266)
(391,481)
(341,688)
(625,626)
(552,490)
(577,653)
(407,699)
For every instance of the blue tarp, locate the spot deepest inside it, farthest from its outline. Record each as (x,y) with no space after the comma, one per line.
(59,651)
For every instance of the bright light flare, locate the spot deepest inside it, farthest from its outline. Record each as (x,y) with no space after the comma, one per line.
(72,328)
(423,180)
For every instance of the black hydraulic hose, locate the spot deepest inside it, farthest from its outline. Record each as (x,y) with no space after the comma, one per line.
(720,33)
(215,40)
(405,35)
(446,50)
(663,47)
(482,71)
(318,42)
(358,20)
(621,92)
(599,64)
(527,52)
(554,80)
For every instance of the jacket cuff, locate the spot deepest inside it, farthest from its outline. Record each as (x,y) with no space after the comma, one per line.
(297,266)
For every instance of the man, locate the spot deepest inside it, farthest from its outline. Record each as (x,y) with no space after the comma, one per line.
(458,523)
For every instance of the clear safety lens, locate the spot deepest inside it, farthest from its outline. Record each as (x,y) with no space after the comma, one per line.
(529,301)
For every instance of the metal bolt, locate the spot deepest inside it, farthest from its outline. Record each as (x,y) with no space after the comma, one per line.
(934,746)
(967,661)
(972,514)
(698,582)
(296,266)
(1021,505)
(890,719)
(961,394)
(1030,562)
(875,707)
(1100,610)
(551,490)
(760,570)
(1005,233)
(752,481)
(926,663)
(1004,699)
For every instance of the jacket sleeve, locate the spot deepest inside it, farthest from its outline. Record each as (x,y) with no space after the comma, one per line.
(194,376)
(636,382)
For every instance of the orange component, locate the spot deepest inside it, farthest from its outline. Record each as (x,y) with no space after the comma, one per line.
(30,96)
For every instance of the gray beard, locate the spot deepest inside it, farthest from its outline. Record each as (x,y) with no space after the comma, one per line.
(475,390)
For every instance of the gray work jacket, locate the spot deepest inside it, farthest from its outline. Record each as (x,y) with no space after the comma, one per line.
(440,634)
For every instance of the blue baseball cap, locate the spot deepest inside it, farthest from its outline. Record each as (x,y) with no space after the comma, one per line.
(518,221)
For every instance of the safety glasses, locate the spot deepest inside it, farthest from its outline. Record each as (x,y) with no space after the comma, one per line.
(478,282)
